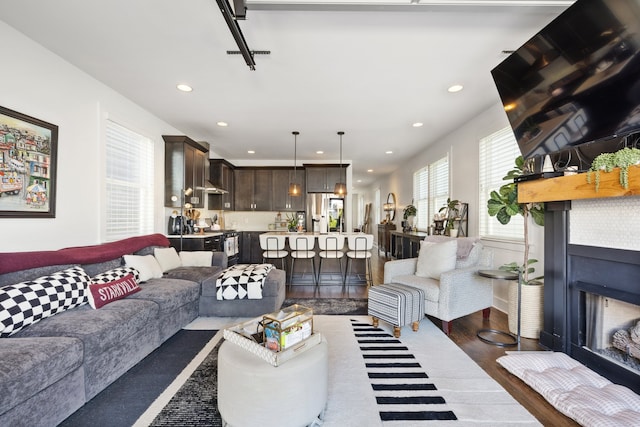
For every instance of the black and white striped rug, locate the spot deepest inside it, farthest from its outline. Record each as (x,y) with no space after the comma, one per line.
(397,379)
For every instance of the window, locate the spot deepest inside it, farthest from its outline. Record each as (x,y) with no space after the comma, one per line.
(430,191)
(438,185)
(421,197)
(498,153)
(129,181)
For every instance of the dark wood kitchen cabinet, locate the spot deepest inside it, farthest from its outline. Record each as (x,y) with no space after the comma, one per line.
(197,243)
(221,176)
(185,166)
(250,250)
(282,201)
(323,179)
(253,188)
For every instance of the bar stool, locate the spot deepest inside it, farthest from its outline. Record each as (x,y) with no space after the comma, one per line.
(273,247)
(330,248)
(360,246)
(302,248)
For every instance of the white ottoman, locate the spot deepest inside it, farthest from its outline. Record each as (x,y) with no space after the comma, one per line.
(252,393)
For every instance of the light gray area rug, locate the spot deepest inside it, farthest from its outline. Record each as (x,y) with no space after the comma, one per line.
(437,380)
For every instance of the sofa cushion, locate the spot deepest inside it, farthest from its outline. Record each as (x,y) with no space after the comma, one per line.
(431,287)
(168,258)
(101,294)
(436,258)
(169,294)
(29,365)
(196,258)
(99,330)
(205,276)
(29,302)
(147,266)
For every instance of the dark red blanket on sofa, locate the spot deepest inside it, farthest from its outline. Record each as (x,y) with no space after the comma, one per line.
(16,261)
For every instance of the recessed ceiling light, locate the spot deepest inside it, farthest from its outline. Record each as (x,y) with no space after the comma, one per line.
(359,180)
(455,88)
(319,152)
(184,88)
(369,170)
(417,124)
(251,152)
(388,152)
(222,124)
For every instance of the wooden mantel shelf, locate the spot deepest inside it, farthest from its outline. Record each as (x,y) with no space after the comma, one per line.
(575,187)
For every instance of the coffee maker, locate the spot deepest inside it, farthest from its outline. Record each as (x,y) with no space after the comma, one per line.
(178,222)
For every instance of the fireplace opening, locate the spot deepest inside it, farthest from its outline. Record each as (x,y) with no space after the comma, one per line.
(612,330)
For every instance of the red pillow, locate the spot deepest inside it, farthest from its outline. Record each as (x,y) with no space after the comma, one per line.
(101,294)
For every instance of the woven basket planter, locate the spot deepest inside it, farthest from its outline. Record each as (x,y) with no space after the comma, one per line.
(530,311)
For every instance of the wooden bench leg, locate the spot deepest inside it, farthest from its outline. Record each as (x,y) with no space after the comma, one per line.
(396,331)
(375,321)
(415,325)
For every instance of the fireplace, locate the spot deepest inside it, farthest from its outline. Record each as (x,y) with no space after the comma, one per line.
(612,330)
(592,283)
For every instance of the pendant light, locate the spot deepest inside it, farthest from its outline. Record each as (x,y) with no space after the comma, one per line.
(340,188)
(294,187)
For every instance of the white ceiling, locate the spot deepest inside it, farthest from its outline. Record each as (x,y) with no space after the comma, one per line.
(369,68)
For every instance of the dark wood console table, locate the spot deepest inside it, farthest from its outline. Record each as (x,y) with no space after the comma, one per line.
(384,237)
(406,245)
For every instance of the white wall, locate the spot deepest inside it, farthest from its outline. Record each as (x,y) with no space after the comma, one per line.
(38,83)
(463,147)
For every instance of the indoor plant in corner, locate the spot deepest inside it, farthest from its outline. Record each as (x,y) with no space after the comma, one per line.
(503,204)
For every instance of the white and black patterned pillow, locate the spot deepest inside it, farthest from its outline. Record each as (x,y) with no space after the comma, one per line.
(115,274)
(28,302)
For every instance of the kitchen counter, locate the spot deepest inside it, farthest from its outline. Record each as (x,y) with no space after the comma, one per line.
(195,235)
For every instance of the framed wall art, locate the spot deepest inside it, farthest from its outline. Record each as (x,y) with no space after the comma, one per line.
(28,156)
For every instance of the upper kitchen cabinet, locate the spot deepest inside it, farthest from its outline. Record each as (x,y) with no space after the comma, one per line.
(323,178)
(221,176)
(252,190)
(186,165)
(282,201)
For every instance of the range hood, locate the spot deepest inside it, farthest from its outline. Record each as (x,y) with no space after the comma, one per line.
(212,189)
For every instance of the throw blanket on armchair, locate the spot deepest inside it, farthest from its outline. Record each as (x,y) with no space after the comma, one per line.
(242,281)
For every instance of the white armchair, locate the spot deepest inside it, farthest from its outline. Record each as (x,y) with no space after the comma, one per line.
(459,292)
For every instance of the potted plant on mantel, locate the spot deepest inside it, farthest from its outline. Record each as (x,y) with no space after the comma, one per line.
(622,159)
(503,204)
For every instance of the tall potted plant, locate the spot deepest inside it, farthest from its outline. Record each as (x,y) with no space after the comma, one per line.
(503,204)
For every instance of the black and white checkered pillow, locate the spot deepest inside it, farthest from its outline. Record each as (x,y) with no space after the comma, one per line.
(26,303)
(115,274)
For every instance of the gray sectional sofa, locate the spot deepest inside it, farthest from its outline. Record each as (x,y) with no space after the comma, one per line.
(51,368)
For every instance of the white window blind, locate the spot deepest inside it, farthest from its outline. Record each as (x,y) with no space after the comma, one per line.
(421,197)
(498,153)
(438,185)
(129,180)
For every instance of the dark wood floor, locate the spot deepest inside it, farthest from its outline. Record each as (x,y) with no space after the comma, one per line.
(464,335)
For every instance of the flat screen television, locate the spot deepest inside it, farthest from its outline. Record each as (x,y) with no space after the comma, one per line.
(577,81)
